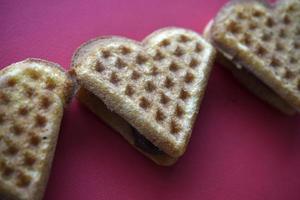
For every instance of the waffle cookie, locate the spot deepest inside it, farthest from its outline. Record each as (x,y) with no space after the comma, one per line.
(149,91)
(33,93)
(260,44)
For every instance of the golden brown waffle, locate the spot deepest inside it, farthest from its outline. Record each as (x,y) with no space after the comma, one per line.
(32,95)
(264,40)
(156,86)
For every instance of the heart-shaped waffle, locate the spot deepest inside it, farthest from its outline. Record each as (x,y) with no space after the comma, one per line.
(156,86)
(263,40)
(32,95)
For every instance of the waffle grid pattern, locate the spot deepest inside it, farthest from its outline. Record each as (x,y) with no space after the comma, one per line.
(274,36)
(161,79)
(27,105)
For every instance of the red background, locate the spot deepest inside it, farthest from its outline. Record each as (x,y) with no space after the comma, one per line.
(240,148)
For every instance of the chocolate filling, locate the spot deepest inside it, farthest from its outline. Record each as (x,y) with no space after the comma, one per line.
(144,144)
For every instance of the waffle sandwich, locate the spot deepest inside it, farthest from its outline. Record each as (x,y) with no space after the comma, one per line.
(33,94)
(148,91)
(260,44)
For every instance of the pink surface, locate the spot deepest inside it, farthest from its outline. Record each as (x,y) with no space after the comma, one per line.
(240,148)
